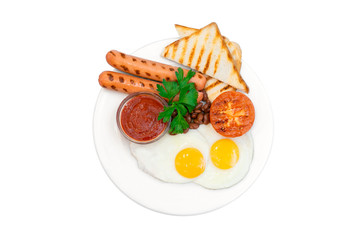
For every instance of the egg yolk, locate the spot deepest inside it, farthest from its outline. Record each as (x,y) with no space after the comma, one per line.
(224,153)
(190,163)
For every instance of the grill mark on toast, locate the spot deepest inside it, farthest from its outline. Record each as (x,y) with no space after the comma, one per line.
(166,52)
(208,60)
(199,58)
(181,59)
(192,52)
(226,88)
(214,84)
(216,64)
(175,46)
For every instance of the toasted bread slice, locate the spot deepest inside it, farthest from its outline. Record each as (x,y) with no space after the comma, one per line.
(233,47)
(206,51)
(214,88)
(184,31)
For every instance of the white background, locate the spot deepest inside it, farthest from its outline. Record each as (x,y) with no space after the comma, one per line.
(52,185)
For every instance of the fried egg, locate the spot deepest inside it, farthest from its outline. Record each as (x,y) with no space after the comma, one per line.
(173,158)
(229,159)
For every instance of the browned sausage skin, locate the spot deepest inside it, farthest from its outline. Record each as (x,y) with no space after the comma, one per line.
(129,84)
(149,69)
(126,83)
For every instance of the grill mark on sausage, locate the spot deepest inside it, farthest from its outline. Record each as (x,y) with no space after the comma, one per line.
(143,61)
(142,84)
(111,77)
(151,86)
(137,71)
(121,79)
(123,55)
(148,74)
(171,69)
(154,64)
(132,82)
(214,84)
(162,67)
(124,68)
(134,59)
(112,53)
(199,76)
(125,90)
(157,76)
(113,87)
(167,78)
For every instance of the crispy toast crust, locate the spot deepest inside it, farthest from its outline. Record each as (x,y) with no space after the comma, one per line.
(206,51)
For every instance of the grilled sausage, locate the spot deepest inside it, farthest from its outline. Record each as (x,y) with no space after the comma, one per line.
(130,84)
(149,69)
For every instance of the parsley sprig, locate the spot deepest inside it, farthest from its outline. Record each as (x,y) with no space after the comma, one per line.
(187,100)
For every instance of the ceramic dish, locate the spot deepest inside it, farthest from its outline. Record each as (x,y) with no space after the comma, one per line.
(176,199)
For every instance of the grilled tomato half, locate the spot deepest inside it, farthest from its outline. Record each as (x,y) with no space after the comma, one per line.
(232,114)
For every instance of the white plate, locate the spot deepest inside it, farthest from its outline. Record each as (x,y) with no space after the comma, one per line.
(176,199)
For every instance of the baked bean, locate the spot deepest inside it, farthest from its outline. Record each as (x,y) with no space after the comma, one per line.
(200,104)
(197,111)
(194,125)
(188,118)
(174,114)
(193,115)
(205,96)
(206,118)
(186,130)
(205,106)
(200,117)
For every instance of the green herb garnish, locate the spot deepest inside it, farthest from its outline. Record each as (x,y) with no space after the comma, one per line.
(187,100)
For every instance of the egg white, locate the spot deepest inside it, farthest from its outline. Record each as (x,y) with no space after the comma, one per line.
(215,178)
(158,158)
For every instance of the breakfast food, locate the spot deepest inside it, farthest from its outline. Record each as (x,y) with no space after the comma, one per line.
(137,117)
(170,108)
(206,51)
(229,159)
(233,47)
(232,114)
(165,160)
(214,88)
(149,69)
(125,83)
(201,156)
(130,84)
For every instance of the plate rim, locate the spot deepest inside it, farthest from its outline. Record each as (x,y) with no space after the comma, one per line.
(260,170)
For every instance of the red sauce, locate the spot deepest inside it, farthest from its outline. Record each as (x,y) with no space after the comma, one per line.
(139,118)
